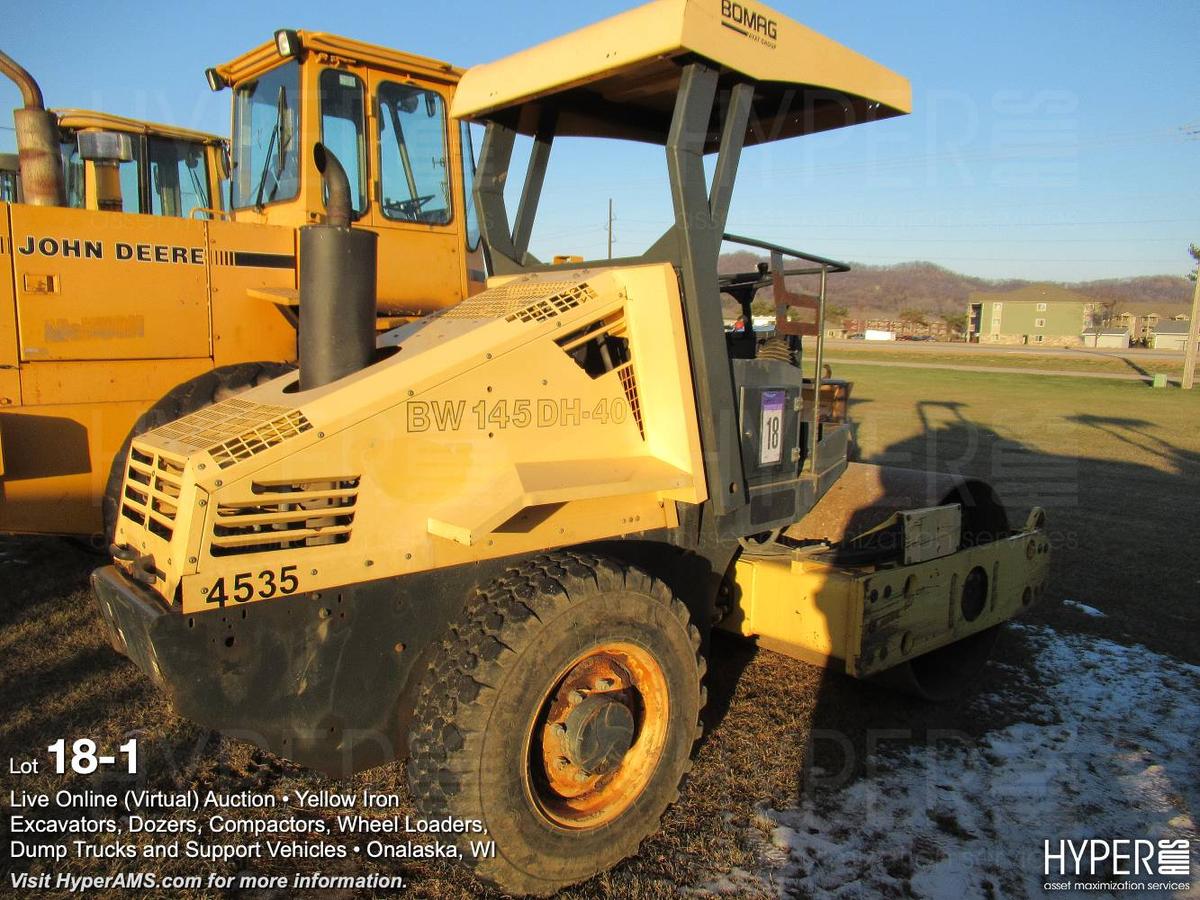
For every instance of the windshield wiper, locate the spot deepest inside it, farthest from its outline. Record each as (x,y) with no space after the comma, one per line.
(266,169)
(277,134)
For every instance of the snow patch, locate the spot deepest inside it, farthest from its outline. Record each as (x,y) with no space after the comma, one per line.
(964,820)
(1085,609)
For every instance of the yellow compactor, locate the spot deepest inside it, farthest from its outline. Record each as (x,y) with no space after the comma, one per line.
(497,540)
(111,324)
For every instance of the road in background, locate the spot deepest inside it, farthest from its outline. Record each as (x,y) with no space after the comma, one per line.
(1136,353)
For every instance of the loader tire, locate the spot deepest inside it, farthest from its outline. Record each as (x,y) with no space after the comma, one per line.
(560,712)
(189,397)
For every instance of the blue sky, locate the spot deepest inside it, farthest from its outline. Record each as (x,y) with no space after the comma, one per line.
(1048,140)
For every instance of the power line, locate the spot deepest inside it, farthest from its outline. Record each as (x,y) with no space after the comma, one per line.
(903,223)
(1024,260)
(1175,134)
(939,240)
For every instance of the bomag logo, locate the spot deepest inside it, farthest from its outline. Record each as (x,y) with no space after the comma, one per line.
(745,21)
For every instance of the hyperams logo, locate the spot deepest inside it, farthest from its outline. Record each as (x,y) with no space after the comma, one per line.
(1112,865)
(745,21)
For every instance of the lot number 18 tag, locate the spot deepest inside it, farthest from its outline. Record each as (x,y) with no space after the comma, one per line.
(770,448)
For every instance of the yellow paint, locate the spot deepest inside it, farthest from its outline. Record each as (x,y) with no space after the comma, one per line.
(421,266)
(481,437)
(150,270)
(866,620)
(101,181)
(98,332)
(51,483)
(9,354)
(90,120)
(244,325)
(631,59)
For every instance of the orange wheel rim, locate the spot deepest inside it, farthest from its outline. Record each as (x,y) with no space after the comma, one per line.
(598,735)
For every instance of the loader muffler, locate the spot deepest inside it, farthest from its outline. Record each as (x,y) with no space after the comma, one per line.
(42,182)
(337,285)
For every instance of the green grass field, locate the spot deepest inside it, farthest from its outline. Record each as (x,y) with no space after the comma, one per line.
(1115,464)
(958,355)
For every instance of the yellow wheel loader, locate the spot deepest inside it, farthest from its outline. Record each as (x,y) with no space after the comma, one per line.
(113,324)
(496,540)
(109,162)
(150,168)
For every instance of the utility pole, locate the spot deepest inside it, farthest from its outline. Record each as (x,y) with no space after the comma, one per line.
(610,227)
(1189,353)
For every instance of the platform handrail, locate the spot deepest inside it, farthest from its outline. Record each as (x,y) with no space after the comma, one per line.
(824,264)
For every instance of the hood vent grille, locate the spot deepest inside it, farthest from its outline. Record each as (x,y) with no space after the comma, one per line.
(234,430)
(150,494)
(285,516)
(524,301)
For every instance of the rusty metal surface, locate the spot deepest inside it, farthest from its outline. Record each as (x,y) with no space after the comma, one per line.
(31,94)
(574,786)
(866,495)
(37,140)
(41,165)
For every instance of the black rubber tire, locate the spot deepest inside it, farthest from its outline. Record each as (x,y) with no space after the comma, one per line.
(201,391)
(487,681)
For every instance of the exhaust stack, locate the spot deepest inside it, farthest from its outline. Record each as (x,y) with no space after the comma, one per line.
(37,141)
(337,286)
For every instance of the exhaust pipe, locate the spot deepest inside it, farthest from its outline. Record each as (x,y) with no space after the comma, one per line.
(337,207)
(37,141)
(337,286)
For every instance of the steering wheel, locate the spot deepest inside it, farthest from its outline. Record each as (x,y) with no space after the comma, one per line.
(410,208)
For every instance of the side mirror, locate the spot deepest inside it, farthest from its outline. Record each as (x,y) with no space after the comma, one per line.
(105,146)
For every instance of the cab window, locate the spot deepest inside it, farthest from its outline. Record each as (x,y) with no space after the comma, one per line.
(73,174)
(414,176)
(131,185)
(178,177)
(266,131)
(8,186)
(342,129)
(468,164)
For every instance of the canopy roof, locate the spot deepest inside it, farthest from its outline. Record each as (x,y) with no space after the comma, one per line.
(619,77)
(86,118)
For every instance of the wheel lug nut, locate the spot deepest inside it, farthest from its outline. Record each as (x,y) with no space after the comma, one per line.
(563,762)
(604,684)
(559,729)
(575,698)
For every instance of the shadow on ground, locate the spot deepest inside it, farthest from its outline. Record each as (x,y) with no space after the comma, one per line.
(777,730)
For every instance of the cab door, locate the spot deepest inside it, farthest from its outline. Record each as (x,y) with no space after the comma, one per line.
(413,185)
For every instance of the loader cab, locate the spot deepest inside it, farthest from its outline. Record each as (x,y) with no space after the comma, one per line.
(124,165)
(385,116)
(698,86)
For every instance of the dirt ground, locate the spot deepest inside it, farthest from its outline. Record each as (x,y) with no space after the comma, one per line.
(1117,466)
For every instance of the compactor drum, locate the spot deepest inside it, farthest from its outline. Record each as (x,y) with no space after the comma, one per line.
(497,541)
